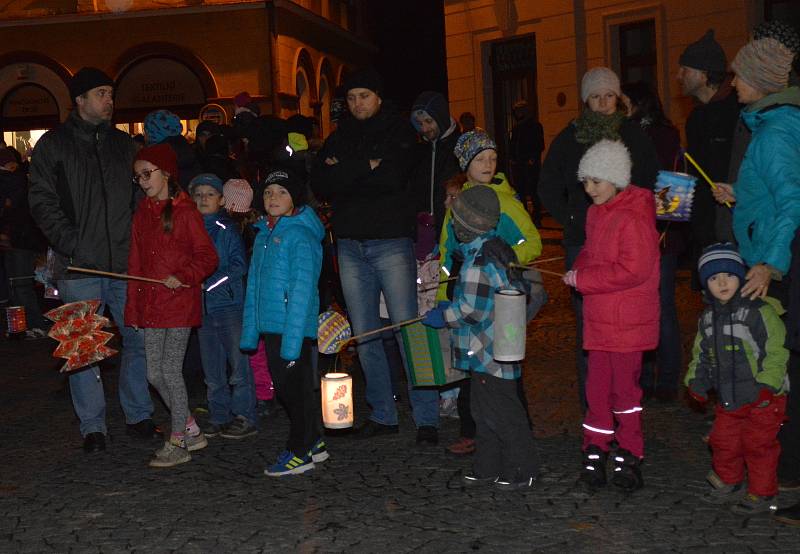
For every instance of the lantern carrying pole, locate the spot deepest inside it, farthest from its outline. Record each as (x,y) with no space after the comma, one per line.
(117,275)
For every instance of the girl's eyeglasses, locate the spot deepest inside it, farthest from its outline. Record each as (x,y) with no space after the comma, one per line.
(143,176)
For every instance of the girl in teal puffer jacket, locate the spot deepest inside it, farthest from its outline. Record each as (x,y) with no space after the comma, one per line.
(282,304)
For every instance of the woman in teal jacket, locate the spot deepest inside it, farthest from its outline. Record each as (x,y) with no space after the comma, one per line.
(767,191)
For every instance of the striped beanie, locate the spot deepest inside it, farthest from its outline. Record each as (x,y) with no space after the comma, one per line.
(721,257)
(238,195)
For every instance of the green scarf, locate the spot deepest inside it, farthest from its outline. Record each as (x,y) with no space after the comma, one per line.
(592,127)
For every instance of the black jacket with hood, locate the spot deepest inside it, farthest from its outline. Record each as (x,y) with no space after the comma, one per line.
(368,203)
(81,194)
(434,162)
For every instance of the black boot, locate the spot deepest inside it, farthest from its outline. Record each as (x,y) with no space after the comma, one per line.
(593,474)
(627,474)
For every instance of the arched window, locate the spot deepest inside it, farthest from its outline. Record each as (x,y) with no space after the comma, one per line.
(303,93)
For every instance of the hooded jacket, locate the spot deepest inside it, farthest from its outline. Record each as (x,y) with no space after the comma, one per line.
(561,192)
(514,227)
(368,203)
(738,351)
(81,194)
(434,161)
(767,210)
(471,314)
(282,296)
(185,252)
(224,290)
(618,274)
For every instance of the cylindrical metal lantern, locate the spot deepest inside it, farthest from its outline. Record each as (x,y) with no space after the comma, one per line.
(337,400)
(15,316)
(509,325)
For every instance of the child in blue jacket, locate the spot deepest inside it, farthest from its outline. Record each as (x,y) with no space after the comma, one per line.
(282,304)
(231,401)
(505,455)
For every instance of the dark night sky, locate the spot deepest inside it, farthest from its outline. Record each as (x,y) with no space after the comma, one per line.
(410,37)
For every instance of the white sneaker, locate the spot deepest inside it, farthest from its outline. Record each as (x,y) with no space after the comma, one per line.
(170,455)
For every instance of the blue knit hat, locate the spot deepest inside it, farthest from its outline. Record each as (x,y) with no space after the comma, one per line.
(720,258)
(206,179)
(470,145)
(161,124)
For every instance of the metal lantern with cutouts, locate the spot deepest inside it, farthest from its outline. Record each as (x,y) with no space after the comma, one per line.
(337,400)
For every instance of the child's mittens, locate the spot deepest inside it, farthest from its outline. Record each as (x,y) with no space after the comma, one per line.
(435,317)
(570,278)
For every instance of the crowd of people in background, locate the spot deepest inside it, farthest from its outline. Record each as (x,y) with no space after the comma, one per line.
(255,228)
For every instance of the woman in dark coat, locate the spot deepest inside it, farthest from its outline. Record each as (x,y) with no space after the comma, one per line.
(603,117)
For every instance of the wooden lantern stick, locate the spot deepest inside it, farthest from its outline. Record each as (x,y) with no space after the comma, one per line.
(118,275)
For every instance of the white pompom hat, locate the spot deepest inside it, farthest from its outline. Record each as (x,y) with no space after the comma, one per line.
(607,160)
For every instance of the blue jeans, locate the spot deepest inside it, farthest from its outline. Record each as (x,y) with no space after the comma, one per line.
(668,356)
(219,348)
(368,267)
(86,386)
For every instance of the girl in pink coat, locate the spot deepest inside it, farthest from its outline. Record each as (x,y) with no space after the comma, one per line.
(617,273)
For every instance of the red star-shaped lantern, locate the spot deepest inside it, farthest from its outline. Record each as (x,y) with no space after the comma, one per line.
(77,330)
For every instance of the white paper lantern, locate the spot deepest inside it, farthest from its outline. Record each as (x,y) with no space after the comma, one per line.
(509,325)
(337,400)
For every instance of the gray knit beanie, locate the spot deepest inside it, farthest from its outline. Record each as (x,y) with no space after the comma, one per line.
(599,80)
(764,64)
(475,212)
(608,160)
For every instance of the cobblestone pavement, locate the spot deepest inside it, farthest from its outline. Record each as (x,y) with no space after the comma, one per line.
(386,495)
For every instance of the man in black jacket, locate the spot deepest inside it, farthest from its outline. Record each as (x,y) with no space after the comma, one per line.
(434,164)
(363,170)
(81,197)
(525,157)
(709,129)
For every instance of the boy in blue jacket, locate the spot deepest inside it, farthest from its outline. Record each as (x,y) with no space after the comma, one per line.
(282,304)
(231,400)
(505,455)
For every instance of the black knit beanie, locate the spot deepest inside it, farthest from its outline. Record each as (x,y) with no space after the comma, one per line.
(291,182)
(706,55)
(366,78)
(86,79)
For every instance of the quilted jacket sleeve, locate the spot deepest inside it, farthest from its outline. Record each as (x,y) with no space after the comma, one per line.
(779,163)
(204,257)
(632,266)
(250,334)
(304,270)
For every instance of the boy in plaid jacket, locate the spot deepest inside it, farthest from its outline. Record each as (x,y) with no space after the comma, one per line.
(505,454)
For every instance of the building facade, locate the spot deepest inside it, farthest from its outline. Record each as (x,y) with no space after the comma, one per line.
(503,51)
(188,56)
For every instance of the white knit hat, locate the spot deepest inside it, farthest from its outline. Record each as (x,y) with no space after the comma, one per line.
(608,160)
(598,80)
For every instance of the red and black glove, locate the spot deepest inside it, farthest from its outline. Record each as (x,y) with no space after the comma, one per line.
(699,397)
(765,396)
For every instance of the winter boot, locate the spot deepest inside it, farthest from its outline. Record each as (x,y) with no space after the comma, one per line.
(627,474)
(593,474)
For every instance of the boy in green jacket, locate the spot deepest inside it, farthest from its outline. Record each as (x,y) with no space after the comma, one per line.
(739,351)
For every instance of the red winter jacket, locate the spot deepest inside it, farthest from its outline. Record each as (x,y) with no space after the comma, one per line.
(186,252)
(618,273)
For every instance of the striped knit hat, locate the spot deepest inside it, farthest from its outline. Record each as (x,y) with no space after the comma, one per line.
(720,258)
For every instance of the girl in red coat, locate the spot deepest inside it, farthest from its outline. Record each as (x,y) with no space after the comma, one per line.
(168,242)
(617,273)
